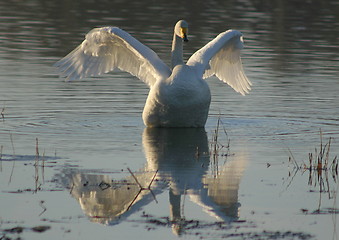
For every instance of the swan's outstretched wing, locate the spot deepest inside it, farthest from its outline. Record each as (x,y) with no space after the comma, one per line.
(221,57)
(107,48)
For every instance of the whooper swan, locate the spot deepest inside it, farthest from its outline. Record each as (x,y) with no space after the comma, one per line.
(178,97)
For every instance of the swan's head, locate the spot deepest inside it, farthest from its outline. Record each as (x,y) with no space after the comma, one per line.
(181,29)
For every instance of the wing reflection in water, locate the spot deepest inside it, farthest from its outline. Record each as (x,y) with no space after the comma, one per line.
(182,159)
(109,201)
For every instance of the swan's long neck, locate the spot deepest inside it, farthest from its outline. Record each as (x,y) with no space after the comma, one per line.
(177,55)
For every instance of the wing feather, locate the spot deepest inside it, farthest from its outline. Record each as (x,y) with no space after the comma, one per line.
(221,57)
(107,48)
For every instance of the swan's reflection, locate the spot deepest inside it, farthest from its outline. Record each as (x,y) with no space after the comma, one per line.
(106,200)
(182,159)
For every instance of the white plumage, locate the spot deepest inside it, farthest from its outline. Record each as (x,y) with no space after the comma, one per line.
(178,97)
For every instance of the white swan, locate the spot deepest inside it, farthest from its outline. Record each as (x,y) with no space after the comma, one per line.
(178,97)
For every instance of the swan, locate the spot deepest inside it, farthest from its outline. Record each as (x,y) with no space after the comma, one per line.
(178,96)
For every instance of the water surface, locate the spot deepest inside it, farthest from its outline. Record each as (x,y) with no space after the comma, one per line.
(90,132)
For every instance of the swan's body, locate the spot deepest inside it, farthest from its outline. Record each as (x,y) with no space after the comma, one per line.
(178,101)
(178,97)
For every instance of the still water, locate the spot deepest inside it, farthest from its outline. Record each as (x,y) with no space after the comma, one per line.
(101,174)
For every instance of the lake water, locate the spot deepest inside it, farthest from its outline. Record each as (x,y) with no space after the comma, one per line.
(67,149)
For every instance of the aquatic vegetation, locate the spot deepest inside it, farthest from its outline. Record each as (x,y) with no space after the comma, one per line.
(219,145)
(322,172)
(319,165)
(2,113)
(141,188)
(216,144)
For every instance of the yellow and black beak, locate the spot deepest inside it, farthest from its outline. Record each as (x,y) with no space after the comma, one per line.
(184,34)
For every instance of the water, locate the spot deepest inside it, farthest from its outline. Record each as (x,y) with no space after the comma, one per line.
(90,132)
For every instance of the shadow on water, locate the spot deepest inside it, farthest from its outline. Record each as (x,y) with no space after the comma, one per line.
(180,159)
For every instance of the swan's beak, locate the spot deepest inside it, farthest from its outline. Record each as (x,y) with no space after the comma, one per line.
(185,38)
(184,34)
